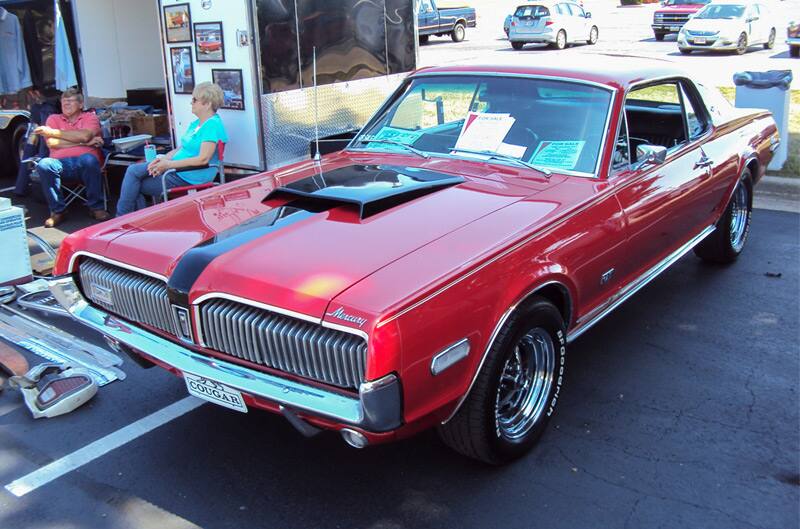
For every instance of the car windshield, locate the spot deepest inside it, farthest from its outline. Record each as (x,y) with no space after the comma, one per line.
(721,11)
(552,125)
(685,2)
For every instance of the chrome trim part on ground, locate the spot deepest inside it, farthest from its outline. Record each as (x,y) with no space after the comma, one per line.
(374,410)
(585,323)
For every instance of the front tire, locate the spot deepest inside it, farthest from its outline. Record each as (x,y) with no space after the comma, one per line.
(593,35)
(659,36)
(771,40)
(685,51)
(726,243)
(517,389)
(741,44)
(517,45)
(458,32)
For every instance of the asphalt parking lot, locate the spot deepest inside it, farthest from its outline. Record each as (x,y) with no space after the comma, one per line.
(680,410)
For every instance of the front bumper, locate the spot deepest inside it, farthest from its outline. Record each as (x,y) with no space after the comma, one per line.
(667,28)
(793,41)
(711,43)
(377,408)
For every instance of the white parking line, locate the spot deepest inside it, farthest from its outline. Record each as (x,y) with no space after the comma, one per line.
(92,451)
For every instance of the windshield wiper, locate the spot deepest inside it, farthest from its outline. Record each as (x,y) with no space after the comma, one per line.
(399,144)
(506,158)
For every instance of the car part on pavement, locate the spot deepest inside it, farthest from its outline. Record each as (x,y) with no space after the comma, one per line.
(12,362)
(51,389)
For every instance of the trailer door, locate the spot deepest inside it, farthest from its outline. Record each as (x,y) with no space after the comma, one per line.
(212,40)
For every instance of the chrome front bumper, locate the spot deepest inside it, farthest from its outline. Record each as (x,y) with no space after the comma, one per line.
(377,408)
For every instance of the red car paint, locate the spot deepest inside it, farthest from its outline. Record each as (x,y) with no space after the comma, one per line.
(449,265)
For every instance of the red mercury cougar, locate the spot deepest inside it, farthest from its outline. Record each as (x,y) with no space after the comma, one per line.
(434,272)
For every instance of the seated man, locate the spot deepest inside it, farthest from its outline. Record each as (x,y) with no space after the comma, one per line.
(74,140)
(199,146)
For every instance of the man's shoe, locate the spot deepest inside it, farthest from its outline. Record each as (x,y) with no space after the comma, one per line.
(54,220)
(100,214)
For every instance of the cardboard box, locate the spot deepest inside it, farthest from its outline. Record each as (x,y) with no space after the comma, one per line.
(156,125)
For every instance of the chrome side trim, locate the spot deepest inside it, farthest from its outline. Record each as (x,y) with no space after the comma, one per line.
(492,338)
(377,407)
(112,262)
(586,322)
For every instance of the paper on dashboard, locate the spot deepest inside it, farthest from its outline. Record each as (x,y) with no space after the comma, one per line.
(484,131)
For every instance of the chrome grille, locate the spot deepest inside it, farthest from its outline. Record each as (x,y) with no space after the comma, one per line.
(134,296)
(672,18)
(295,346)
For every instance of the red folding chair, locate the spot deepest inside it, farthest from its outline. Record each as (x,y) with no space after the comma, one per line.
(166,194)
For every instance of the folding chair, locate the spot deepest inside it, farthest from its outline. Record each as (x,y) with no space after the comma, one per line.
(166,194)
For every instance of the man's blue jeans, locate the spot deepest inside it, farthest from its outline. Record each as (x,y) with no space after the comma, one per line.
(84,168)
(138,182)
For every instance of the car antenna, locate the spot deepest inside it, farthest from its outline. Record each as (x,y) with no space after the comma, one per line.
(316,106)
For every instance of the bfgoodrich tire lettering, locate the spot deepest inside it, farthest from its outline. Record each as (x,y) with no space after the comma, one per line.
(726,242)
(517,390)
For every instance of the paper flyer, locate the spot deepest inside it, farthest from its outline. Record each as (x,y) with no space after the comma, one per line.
(558,154)
(484,131)
(406,137)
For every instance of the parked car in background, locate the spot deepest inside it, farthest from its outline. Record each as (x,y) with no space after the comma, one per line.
(673,14)
(557,24)
(452,21)
(729,25)
(433,273)
(793,38)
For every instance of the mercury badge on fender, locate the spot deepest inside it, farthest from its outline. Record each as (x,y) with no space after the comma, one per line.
(433,272)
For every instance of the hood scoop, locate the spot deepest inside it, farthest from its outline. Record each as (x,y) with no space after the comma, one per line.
(371,188)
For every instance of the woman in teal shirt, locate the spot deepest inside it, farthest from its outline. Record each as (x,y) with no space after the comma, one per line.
(199,146)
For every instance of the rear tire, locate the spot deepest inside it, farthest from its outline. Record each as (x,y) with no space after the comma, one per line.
(659,36)
(726,243)
(517,45)
(458,32)
(771,40)
(561,40)
(593,35)
(517,389)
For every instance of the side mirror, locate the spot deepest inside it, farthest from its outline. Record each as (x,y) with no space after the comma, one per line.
(588,14)
(651,154)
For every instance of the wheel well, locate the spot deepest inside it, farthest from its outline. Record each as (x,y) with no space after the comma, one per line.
(752,165)
(558,295)
(460,21)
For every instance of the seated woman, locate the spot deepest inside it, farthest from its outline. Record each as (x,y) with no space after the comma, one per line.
(197,147)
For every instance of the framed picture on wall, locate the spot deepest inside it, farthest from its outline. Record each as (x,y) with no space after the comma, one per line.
(178,21)
(232,86)
(209,45)
(182,69)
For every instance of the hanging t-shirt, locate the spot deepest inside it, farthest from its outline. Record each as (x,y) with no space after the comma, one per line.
(212,130)
(14,70)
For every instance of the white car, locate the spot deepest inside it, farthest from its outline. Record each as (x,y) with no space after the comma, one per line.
(727,25)
(555,23)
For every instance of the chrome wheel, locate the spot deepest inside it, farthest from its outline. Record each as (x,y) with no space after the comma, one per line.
(561,40)
(740,213)
(593,35)
(525,383)
(741,45)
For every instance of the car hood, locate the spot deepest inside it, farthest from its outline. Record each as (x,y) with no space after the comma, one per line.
(297,238)
(724,26)
(685,8)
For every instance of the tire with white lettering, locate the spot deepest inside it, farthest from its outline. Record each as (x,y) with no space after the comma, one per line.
(517,389)
(726,242)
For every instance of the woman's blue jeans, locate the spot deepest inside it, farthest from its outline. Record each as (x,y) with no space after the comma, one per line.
(137,183)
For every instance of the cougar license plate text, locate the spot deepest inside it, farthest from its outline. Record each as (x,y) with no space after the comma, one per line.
(215,392)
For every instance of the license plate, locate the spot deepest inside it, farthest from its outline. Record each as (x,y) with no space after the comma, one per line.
(215,392)
(674,28)
(699,41)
